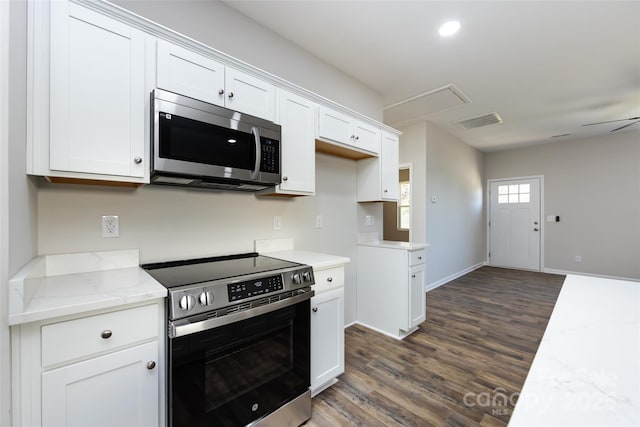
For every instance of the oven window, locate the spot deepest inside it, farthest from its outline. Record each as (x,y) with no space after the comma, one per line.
(235,374)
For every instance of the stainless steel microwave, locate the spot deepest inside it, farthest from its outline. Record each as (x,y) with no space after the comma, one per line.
(196,144)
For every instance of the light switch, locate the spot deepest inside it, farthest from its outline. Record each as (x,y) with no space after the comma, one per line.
(551,218)
(434,199)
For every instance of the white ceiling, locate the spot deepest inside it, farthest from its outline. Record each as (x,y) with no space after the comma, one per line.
(546,67)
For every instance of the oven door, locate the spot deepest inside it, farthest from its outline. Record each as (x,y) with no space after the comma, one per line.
(235,374)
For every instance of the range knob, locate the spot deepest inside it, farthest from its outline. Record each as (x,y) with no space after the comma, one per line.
(306,276)
(187,302)
(296,278)
(206,298)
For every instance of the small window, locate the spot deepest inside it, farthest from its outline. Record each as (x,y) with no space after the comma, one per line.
(404,206)
(514,193)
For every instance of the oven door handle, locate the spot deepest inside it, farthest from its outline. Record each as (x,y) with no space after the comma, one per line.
(179,328)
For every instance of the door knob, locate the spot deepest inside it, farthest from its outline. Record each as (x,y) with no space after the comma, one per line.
(151,365)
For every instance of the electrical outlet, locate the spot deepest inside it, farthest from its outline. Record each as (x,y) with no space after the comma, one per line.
(369,220)
(277,222)
(578,258)
(110,226)
(318,221)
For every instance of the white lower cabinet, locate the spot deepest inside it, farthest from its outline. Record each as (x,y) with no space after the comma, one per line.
(390,294)
(97,369)
(118,389)
(327,339)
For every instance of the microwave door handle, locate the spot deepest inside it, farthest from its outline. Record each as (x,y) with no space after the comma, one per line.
(256,137)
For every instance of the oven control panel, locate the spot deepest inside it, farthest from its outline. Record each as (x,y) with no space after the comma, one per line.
(252,288)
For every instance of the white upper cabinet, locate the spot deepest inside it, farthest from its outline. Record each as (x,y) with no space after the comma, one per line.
(297,118)
(378,176)
(97,94)
(339,127)
(188,73)
(250,95)
(182,71)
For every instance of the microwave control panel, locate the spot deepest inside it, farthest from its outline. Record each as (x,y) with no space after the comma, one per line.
(270,161)
(252,288)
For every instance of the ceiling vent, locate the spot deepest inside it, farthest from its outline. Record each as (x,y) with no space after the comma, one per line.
(480,121)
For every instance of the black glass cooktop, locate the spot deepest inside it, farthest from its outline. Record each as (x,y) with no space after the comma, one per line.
(172,274)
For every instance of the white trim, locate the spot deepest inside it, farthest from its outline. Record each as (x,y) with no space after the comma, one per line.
(580,273)
(542,222)
(380,331)
(437,284)
(355,322)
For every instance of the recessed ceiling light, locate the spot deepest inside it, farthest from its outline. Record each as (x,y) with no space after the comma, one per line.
(449,28)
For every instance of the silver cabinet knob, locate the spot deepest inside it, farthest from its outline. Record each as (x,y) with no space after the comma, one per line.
(329,279)
(314,309)
(285,178)
(137,160)
(419,257)
(187,302)
(413,276)
(221,92)
(357,137)
(535,229)
(106,334)
(386,191)
(535,222)
(353,137)
(151,365)
(230,95)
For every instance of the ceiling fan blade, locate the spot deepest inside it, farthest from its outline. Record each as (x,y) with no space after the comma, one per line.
(625,126)
(612,121)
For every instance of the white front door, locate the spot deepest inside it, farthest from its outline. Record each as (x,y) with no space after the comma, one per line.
(514,223)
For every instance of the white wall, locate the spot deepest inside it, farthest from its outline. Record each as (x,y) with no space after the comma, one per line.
(18,192)
(450,170)
(455,225)
(593,184)
(223,28)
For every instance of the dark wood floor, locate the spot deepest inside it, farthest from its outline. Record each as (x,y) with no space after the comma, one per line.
(476,346)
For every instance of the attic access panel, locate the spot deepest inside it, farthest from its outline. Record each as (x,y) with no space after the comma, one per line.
(417,107)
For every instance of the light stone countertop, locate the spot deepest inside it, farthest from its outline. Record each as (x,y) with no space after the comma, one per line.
(60,285)
(391,244)
(318,261)
(586,371)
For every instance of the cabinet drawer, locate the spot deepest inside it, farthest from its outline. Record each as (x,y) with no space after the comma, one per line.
(416,257)
(83,337)
(328,279)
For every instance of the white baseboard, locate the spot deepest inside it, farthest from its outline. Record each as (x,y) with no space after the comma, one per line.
(432,286)
(351,324)
(383,332)
(579,273)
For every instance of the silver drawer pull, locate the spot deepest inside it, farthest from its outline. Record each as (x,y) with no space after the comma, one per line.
(314,309)
(329,279)
(151,365)
(106,334)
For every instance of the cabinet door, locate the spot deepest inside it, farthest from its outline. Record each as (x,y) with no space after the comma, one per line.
(389,167)
(366,137)
(417,296)
(297,117)
(117,389)
(327,337)
(187,73)
(97,93)
(247,94)
(334,126)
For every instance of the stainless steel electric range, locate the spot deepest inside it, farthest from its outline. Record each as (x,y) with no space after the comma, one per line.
(238,340)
